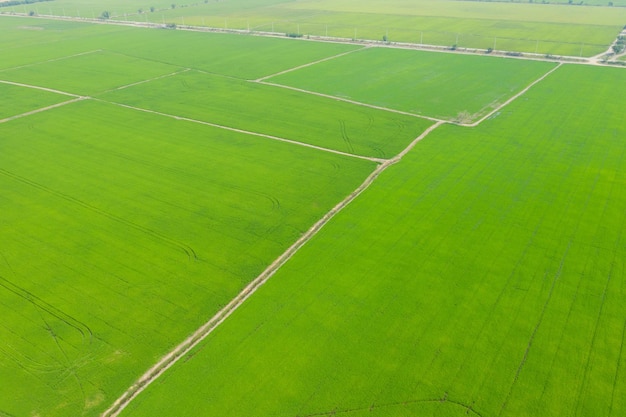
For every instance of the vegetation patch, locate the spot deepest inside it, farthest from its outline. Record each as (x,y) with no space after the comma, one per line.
(481,276)
(276,111)
(127,231)
(423,83)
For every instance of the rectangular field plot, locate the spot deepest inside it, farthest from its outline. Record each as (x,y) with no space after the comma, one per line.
(17,100)
(122,232)
(26,41)
(89,73)
(240,56)
(482,275)
(447,86)
(276,111)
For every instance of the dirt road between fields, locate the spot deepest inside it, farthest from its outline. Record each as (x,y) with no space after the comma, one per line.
(199,335)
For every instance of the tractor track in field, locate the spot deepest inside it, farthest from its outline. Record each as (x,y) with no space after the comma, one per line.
(199,335)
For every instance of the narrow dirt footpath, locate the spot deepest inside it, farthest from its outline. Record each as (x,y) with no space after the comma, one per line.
(311,63)
(358,103)
(510,100)
(54,106)
(35,87)
(199,335)
(247,132)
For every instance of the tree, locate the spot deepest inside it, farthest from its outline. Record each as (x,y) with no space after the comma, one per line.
(105,15)
(152,9)
(173,6)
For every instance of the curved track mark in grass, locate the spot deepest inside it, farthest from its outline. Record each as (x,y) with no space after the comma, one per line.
(188,250)
(536,328)
(275,203)
(246,132)
(344,135)
(598,318)
(77,325)
(545,305)
(468,409)
(199,335)
(617,370)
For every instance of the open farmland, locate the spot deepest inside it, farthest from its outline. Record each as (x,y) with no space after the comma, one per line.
(153,180)
(482,275)
(532,27)
(274,111)
(123,231)
(446,86)
(17,100)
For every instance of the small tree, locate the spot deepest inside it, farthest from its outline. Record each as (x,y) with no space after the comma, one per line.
(152,9)
(105,15)
(173,6)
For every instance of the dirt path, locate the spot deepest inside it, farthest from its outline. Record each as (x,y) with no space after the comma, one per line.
(247,132)
(148,80)
(51,60)
(358,103)
(311,63)
(54,106)
(199,335)
(50,90)
(510,100)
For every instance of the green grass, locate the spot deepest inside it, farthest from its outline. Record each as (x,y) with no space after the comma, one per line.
(90,73)
(124,231)
(28,41)
(276,111)
(425,83)
(482,275)
(240,56)
(555,29)
(17,100)
(247,57)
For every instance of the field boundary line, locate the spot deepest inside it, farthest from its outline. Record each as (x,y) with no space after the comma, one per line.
(148,80)
(35,87)
(206,329)
(358,103)
(29,113)
(510,100)
(312,63)
(51,60)
(247,132)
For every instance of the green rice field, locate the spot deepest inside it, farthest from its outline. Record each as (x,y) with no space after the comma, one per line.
(275,111)
(552,27)
(483,275)
(425,83)
(17,100)
(149,176)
